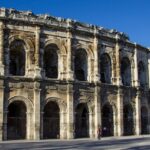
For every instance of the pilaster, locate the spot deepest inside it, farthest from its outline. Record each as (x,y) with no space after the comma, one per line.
(149,69)
(96,65)
(69,49)
(117,71)
(138,113)
(63,134)
(70,112)
(37,112)
(29,125)
(136,81)
(119,121)
(97,111)
(1,49)
(1,109)
(115,124)
(37,69)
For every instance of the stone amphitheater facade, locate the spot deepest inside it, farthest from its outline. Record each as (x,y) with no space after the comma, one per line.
(60,78)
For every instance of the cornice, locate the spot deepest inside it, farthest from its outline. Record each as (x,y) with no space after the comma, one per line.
(58,23)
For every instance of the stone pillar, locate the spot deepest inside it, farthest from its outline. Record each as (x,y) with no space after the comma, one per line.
(69,55)
(37,113)
(136,80)
(138,113)
(89,68)
(97,111)
(63,125)
(1,49)
(1,109)
(117,71)
(70,112)
(29,126)
(119,121)
(91,125)
(37,68)
(115,127)
(96,62)
(63,67)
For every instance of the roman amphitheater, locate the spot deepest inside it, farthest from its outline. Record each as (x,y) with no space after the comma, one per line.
(60,78)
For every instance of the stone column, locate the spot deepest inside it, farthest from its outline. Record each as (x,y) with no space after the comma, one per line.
(138,113)
(1,49)
(70,112)
(37,68)
(69,55)
(136,80)
(37,113)
(117,71)
(1,109)
(97,110)
(119,121)
(96,62)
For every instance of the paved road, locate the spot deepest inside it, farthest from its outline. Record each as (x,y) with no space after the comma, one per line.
(123,143)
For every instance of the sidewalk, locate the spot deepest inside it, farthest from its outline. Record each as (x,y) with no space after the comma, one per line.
(79,139)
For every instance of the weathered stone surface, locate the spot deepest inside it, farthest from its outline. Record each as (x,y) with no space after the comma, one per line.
(85,76)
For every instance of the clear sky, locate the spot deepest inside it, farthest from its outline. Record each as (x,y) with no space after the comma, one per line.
(129,16)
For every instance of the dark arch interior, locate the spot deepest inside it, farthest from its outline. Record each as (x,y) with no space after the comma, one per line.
(51,61)
(105,69)
(81,121)
(141,74)
(128,120)
(16,128)
(107,121)
(126,72)
(80,65)
(144,120)
(17,58)
(51,121)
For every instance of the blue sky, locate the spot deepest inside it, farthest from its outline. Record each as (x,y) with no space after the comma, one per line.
(129,16)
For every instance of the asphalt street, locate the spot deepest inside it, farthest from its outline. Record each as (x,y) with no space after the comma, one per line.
(122,143)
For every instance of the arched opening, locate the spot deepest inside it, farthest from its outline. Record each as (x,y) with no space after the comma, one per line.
(144,120)
(51,61)
(141,74)
(107,121)
(105,68)
(51,121)
(80,65)
(17,58)
(128,120)
(81,121)
(16,121)
(126,71)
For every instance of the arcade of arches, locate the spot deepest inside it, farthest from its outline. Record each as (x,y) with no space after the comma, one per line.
(62,79)
(53,121)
